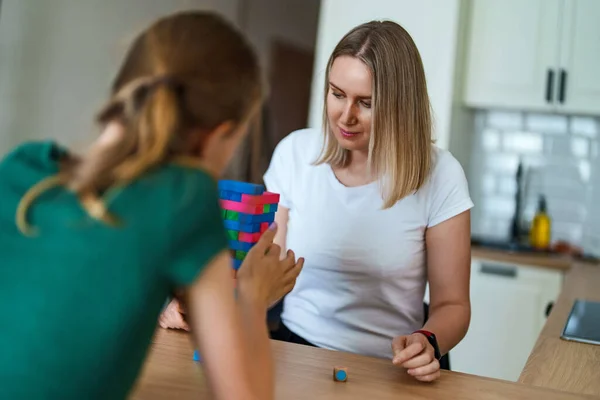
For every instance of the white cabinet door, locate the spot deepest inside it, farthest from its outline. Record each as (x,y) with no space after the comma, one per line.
(580,57)
(512,53)
(508,312)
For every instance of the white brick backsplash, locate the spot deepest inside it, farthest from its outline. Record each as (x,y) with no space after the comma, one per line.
(522,142)
(547,123)
(491,139)
(586,126)
(499,206)
(502,163)
(585,170)
(488,184)
(567,231)
(505,120)
(561,156)
(507,186)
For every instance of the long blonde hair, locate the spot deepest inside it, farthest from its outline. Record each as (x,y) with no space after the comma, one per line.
(186,71)
(400,153)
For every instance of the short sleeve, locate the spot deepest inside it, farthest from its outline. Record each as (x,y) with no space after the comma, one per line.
(196,230)
(449,190)
(279,175)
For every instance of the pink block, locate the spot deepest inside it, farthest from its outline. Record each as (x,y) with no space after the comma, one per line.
(263,227)
(249,237)
(265,198)
(241,207)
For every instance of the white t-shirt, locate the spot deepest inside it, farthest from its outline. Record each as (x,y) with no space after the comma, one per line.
(364,275)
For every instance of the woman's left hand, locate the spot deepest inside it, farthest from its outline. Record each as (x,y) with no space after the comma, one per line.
(416,354)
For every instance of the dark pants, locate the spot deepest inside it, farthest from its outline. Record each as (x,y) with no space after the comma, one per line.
(285,335)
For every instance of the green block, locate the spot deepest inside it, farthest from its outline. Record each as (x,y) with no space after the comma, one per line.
(266,208)
(232,215)
(240,255)
(232,235)
(223,213)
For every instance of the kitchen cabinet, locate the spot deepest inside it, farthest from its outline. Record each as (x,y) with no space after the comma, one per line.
(509,304)
(539,55)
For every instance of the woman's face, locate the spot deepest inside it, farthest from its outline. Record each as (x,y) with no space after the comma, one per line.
(349,103)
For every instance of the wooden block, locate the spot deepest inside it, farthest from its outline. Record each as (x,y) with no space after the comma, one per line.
(340,374)
(232,235)
(237,226)
(265,198)
(249,237)
(232,215)
(237,245)
(240,255)
(241,187)
(256,218)
(264,226)
(236,265)
(241,207)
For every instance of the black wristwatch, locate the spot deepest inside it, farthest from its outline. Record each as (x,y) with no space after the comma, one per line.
(432,341)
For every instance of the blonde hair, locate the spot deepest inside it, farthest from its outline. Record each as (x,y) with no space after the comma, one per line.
(186,71)
(399,153)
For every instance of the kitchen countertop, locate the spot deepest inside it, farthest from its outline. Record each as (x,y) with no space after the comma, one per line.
(558,364)
(552,261)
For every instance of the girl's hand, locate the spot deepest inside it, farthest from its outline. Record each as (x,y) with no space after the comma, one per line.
(172,317)
(416,354)
(263,275)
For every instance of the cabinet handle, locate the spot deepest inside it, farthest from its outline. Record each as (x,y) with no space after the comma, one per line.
(550,86)
(499,270)
(562,86)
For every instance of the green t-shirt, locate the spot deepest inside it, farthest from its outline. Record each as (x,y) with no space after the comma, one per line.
(79,302)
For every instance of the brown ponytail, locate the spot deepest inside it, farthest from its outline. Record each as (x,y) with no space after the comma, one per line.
(173,80)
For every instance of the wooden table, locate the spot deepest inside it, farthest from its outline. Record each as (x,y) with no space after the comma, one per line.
(559,364)
(306,373)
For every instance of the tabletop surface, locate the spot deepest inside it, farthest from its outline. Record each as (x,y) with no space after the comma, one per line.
(559,364)
(306,373)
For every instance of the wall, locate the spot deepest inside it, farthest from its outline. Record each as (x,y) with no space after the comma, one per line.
(293,21)
(57,59)
(561,157)
(434,26)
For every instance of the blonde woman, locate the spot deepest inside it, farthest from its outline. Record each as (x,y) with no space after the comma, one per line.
(101,240)
(377,210)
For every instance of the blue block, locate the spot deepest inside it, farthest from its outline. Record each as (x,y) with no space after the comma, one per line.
(231,196)
(237,245)
(238,226)
(241,187)
(197,356)
(256,219)
(237,264)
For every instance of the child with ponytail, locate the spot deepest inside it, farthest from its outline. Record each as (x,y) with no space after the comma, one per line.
(92,245)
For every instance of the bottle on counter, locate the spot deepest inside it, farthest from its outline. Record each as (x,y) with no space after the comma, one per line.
(540,232)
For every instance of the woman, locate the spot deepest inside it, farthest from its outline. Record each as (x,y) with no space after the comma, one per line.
(101,240)
(377,211)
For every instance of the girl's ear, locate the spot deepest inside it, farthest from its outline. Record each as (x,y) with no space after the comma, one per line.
(203,139)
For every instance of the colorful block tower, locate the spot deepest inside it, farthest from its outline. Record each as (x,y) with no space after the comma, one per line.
(247,211)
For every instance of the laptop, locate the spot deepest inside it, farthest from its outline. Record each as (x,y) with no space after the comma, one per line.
(583,324)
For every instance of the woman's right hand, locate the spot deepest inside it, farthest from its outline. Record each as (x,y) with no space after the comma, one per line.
(263,275)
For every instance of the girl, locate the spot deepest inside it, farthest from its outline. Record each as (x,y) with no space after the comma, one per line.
(101,240)
(377,211)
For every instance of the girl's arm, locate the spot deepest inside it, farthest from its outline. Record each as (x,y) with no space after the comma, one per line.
(231,334)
